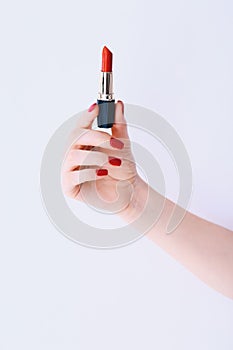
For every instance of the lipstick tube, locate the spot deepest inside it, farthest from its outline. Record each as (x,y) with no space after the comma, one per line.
(105,100)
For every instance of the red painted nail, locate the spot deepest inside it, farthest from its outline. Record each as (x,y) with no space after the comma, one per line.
(90,109)
(116,143)
(122,106)
(114,161)
(101,172)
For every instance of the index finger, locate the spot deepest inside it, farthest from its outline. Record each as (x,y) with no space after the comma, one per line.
(86,120)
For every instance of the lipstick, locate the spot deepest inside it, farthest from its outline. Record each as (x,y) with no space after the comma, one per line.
(105,100)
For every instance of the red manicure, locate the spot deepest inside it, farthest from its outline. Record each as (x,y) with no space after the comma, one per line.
(122,106)
(101,172)
(116,143)
(90,109)
(114,161)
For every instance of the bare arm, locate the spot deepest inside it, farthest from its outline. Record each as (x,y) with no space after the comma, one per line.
(206,249)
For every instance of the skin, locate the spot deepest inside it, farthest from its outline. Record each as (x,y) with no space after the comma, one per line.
(206,249)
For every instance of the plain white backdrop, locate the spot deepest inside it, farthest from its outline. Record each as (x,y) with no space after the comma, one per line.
(174,57)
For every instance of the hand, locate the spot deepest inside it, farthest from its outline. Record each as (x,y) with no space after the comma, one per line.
(203,247)
(99,168)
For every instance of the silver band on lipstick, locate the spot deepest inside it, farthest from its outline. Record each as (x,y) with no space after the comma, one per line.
(106,87)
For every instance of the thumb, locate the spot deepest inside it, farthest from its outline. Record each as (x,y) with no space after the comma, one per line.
(119,128)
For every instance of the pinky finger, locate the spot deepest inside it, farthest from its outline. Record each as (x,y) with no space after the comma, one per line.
(80,176)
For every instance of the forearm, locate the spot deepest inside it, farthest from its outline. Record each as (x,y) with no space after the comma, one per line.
(204,248)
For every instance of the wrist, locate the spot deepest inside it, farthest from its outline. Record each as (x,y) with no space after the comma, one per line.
(145,208)
(138,200)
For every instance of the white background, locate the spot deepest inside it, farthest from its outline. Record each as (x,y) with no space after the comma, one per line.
(174,57)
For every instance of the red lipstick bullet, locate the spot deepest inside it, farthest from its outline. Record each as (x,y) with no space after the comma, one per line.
(106,60)
(105,99)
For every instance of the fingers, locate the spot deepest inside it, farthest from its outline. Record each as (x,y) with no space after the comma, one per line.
(85,175)
(94,148)
(78,157)
(84,121)
(87,118)
(98,138)
(73,180)
(120,126)
(119,129)
(85,136)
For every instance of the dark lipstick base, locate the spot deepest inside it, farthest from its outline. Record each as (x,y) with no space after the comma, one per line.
(106,115)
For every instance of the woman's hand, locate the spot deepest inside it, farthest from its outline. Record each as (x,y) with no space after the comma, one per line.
(99,168)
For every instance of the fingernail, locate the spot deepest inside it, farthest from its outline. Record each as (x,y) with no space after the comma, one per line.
(122,106)
(116,143)
(90,109)
(101,172)
(114,161)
